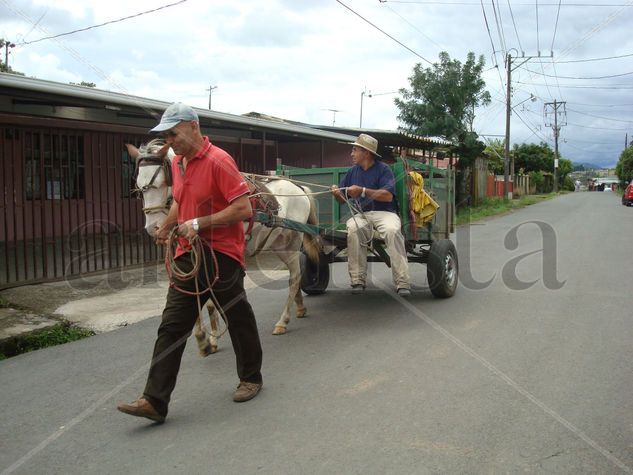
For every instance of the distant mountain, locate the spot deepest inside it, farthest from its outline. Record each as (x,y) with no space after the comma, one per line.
(587,166)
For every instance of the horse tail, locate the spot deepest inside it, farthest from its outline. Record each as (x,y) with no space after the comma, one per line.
(312,245)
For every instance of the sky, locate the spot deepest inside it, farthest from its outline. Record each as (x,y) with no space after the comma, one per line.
(301,59)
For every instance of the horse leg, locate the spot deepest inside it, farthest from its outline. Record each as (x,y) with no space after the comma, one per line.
(290,257)
(204,348)
(213,319)
(295,274)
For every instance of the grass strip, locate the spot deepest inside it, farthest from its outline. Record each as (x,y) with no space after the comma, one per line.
(495,206)
(64,332)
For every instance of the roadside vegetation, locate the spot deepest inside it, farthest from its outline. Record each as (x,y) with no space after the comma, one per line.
(64,332)
(495,206)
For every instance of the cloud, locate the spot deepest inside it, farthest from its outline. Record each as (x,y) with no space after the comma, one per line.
(296,59)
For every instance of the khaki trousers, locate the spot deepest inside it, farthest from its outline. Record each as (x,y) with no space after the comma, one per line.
(359,234)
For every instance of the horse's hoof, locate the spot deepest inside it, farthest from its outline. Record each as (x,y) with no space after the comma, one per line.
(279,330)
(302,312)
(214,349)
(204,352)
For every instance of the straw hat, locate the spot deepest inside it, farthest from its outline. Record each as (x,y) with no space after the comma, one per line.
(368,143)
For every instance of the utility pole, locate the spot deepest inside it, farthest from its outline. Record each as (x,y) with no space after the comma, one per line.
(556,129)
(7,45)
(211,88)
(507,171)
(626,141)
(556,106)
(506,158)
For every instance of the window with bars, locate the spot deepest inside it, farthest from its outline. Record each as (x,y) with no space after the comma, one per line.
(53,166)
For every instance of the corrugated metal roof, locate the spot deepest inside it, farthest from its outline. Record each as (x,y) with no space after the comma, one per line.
(152,106)
(399,137)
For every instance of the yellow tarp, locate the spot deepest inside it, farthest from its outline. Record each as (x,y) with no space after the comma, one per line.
(424,207)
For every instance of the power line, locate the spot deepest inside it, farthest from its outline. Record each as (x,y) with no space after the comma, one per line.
(600,105)
(492,43)
(103,24)
(597,143)
(600,117)
(555,27)
(413,26)
(582,78)
(594,59)
(598,128)
(572,86)
(601,25)
(384,32)
(502,39)
(538,46)
(516,31)
(534,132)
(474,3)
(587,126)
(556,73)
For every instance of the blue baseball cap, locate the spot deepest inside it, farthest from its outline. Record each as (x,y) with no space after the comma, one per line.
(174,115)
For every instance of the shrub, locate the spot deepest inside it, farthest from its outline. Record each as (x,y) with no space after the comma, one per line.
(538,180)
(568,184)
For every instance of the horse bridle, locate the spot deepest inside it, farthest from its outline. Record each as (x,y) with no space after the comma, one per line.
(160,164)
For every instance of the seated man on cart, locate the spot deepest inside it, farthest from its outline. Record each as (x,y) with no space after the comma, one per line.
(370,188)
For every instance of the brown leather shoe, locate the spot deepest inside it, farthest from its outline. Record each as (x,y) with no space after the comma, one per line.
(141,408)
(246,391)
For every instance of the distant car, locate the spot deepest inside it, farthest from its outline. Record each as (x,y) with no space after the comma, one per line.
(607,188)
(627,197)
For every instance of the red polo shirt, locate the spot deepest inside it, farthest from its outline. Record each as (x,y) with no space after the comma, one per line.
(211,181)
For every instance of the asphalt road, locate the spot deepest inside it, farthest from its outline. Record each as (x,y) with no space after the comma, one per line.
(495,380)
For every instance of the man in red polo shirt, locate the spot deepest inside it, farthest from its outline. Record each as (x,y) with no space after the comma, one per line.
(210,201)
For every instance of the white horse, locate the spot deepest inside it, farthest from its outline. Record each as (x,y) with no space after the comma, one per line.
(153,164)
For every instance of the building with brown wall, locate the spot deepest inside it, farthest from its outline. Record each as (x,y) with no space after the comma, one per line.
(67,180)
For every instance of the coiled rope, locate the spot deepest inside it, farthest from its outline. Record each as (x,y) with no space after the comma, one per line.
(199,260)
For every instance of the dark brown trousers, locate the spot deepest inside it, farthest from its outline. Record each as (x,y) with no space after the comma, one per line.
(179,317)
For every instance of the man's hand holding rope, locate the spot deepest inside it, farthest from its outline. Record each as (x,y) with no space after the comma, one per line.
(186,230)
(162,232)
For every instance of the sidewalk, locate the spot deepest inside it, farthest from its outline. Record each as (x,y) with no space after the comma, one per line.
(105,301)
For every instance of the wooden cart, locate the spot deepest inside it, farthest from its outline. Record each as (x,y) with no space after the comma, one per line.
(430,244)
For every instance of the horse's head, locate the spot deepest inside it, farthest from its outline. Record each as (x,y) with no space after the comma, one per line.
(153,180)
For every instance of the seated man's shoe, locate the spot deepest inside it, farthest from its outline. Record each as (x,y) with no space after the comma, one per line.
(141,408)
(404,292)
(246,391)
(358,289)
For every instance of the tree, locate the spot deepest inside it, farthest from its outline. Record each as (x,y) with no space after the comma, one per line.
(534,157)
(624,168)
(4,67)
(83,83)
(494,153)
(565,167)
(539,158)
(442,102)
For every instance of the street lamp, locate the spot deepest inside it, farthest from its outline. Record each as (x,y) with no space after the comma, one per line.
(362,96)
(532,98)
(211,88)
(369,94)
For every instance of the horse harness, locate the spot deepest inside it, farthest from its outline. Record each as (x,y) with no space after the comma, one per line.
(160,164)
(261,199)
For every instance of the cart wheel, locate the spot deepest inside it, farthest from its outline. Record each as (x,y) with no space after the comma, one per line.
(442,268)
(315,277)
